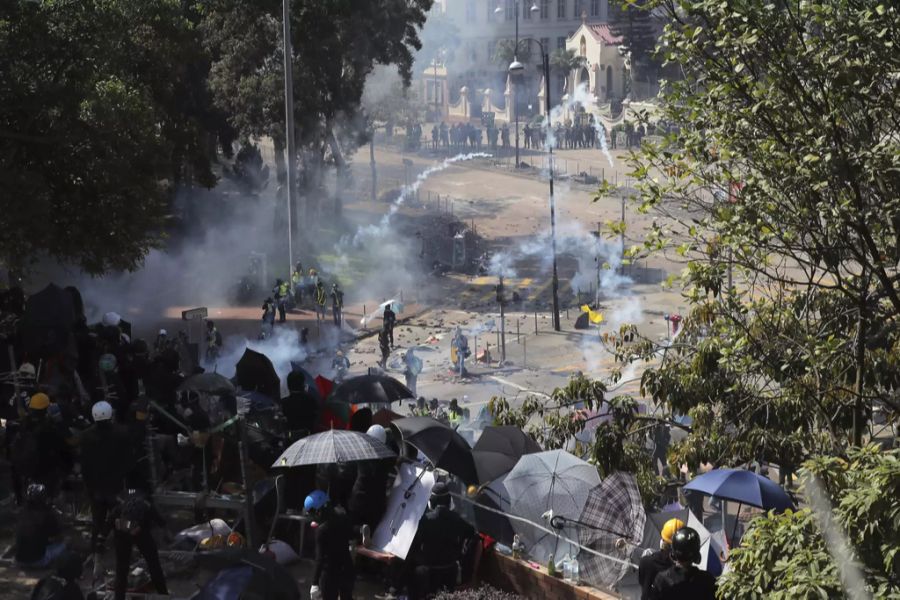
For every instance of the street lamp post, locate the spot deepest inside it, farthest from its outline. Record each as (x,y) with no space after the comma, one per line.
(289,127)
(514,68)
(534,8)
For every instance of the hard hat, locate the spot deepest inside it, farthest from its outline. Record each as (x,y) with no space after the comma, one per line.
(112,319)
(27,371)
(377,432)
(163,332)
(669,529)
(39,401)
(102,411)
(686,545)
(316,500)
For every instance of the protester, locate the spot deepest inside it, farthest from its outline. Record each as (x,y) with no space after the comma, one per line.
(385,347)
(213,342)
(439,546)
(389,319)
(321,300)
(337,303)
(40,452)
(38,531)
(63,584)
(683,580)
(132,519)
(413,368)
(334,576)
(268,317)
(659,561)
(300,408)
(340,364)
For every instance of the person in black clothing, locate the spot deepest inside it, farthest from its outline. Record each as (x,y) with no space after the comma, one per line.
(334,576)
(389,319)
(684,581)
(40,452)
(368,498)
(107,456)
(385,347)
(38,531)
(657,562)
(133,517)
(337,304)
(300,409)
(439,546)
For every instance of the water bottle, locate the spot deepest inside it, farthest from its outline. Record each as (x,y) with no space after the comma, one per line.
(576,576)
(551,566)
(567,569)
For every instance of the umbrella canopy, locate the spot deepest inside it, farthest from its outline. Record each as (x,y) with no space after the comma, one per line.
(709,560)
(299,371)
(445,448)
(740,485)
(385,417)
(549,481)
(496,496)
(370,389)
(499,449)
(207,383)
(613,512)
(258,400)
(47,322)
(255,372)
(335,446)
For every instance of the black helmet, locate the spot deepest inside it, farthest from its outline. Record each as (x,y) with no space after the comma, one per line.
(36,494)
(686,545)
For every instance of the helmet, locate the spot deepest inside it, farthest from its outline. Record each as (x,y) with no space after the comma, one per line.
(669,529)
(686,545)
(163,332)
(26,371)
(316,500)
(111,319)
(102,411)
(39,401)
(377,432)
(36,493)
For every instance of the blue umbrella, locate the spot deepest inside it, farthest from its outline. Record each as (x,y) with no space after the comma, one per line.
(745,487)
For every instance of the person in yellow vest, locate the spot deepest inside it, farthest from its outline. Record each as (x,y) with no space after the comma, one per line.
(297,285)
(321,299)
(281,291)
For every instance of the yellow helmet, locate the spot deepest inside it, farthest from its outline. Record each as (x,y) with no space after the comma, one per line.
(669,529)
(39,402)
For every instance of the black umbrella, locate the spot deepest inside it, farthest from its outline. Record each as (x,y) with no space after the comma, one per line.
(370,389)
(494,496)
(445,448)
(209,383)
(255,372)
(499,449)
(48,320)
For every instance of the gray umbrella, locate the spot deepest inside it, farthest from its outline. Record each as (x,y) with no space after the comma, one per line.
(208,383)
(549,481)
(335,446)
(612,522)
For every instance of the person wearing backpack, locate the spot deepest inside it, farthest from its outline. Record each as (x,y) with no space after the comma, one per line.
(133,518)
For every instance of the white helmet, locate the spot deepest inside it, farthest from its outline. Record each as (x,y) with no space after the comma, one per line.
(111,319)
(163,332)
(102,411)
(377,432)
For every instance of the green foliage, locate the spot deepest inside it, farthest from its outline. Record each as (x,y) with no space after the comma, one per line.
(786,556)
(618,441)
(778,187)
(565,61)
(102,112)
(506,52)
(633,22)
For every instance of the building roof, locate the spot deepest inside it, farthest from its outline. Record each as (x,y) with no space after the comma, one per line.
(602,32)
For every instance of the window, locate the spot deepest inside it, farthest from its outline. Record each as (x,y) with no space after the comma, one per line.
(595,8)
(526,9)
(561,9)
(561,42)
(470,11)
(545,10)
(491,49)
(579,7)
(491,7)
(545,42)
(510,10)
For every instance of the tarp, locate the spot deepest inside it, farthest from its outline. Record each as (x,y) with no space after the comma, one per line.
(406,505)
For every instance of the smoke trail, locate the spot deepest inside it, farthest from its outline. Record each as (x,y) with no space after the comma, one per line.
(580,96)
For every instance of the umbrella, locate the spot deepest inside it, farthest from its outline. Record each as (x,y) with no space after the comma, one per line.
(334,446)
(258,400)
(385,417)
(742,486)
(613,513)
(496,496)
(499,449)
(308,378)
(370,389)
(254,371)
(47,321)
(208,383)
(246,574)
(709,560)
(324,385)
(549,481)
(444,447)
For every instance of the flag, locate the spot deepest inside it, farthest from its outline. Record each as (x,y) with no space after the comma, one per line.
(595,317)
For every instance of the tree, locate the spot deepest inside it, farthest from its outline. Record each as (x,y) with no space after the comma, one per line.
(506,52)
(799,555)
(632,20)
(778,185)
(566,61)
(330,70)
(102,114)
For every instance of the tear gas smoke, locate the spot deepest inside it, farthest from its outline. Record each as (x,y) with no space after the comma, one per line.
(580,96)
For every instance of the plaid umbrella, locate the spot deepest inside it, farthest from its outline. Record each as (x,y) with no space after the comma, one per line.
(549,481)
(334,446)
(613,513)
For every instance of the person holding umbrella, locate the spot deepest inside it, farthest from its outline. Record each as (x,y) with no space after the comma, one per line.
(653,564)
(334,576)
(683,579)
